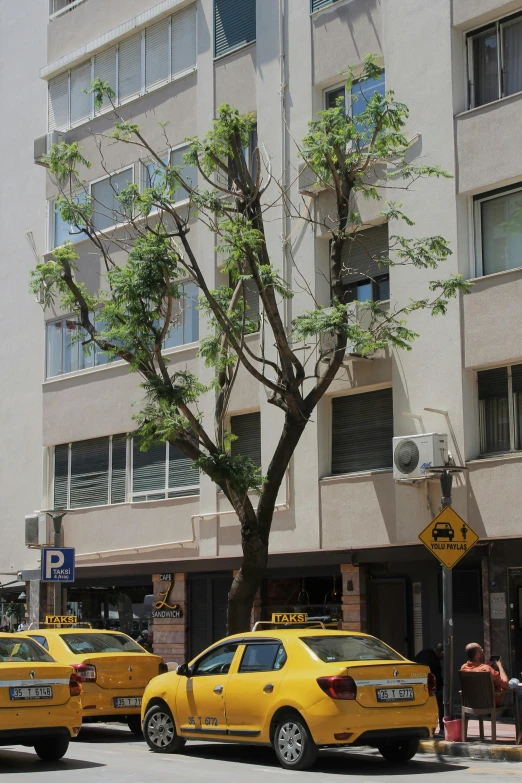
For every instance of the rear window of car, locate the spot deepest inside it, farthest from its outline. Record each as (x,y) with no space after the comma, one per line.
(17,650)
(333,649)
(82,644)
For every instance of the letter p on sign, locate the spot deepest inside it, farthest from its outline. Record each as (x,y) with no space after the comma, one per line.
(53,559)
(58,564)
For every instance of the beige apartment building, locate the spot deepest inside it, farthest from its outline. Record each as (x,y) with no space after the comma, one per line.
(149,532)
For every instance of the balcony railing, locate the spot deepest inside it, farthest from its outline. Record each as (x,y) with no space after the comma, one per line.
(59,7)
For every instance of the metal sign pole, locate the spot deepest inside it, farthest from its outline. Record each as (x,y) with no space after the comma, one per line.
(446,480)
(57,541)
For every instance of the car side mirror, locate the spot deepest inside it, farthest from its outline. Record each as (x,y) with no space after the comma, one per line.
(184,670)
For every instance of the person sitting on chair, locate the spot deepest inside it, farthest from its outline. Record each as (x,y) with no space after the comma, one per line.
(501,682)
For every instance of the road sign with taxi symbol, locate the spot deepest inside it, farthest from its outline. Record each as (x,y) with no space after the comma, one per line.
(448,537)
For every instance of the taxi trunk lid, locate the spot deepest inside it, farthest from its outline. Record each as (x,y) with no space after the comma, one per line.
(403,684)
(38,676)
(124,671)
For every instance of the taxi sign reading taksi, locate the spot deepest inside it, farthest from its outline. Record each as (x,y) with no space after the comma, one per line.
(61,619)
(448,537)
(290,617)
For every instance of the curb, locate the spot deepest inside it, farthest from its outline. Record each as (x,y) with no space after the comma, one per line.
(472,750)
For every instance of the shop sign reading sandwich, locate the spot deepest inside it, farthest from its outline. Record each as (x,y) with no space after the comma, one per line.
(163,609)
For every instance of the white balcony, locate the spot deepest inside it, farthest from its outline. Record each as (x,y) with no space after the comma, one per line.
(59,7)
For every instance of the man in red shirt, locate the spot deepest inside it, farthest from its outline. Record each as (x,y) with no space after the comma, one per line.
(476,663)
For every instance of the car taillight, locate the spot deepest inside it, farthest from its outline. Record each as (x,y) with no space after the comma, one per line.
(432,684)
(86,672)
(75,685)
(162,668)
(338,687)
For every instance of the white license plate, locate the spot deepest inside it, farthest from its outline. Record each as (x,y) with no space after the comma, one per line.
(395,694)
(30,693)
(128,701)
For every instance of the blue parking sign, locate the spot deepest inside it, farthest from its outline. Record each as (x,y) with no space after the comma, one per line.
(58,564)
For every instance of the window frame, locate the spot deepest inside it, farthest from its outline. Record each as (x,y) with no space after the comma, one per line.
(95,366)
(113,226)
(51,224)
(478,200)
(512,414)
(136,497)
(348,101)
(173,348)
(109,477)
(233,49)
(327,5)
(470,35)
(165,155)
(254,643)
(207,653)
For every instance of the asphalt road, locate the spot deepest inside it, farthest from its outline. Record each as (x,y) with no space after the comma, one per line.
(102,754)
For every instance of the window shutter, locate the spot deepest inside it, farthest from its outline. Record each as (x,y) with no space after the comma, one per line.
(148,471)
(234,24)
(358,255)
(252,300)
(119,469)
(61,475)
(90,473)
(493,383)
(58,103)
(81,101)
(184,40)
(157,55)
(516,377)
(362,432)
(129,68)
(317,4)
(248,430)
(183,476)
(105,69)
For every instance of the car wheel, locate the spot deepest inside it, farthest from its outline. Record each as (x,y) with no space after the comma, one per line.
(52,748)
(399,751)
(134,724)
(293,743)
(159,731)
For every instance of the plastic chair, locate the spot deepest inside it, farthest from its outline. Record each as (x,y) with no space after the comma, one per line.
(478,698)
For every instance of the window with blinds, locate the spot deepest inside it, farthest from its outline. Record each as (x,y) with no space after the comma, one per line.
(252,299)
(316,5)
(363,279)
(362,432)
(163,471)
(90,472)
(247,429)
(234,24)
(500,409)
(137,65)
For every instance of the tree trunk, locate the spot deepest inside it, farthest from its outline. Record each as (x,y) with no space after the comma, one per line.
(245,585)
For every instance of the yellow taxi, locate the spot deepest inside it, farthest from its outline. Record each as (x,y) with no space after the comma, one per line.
(297,689)
(39,699)
(112,667)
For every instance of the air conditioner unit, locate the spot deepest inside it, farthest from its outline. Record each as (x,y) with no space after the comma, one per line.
(307,181)
(35,530)
(327,339)
(414,455)
(43,145)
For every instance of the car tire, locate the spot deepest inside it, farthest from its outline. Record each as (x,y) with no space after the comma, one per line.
(134,724)
(159,730)
(399,752)
(293,744)
(52,748)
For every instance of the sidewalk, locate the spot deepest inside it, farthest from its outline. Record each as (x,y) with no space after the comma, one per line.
(504,749)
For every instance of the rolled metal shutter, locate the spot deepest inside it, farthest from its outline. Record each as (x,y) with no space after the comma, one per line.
(359,256)
(119,469)
(362,432)
(81,101)
(493,384)
(89,473)
(61,475)
(157,68)
(247,428)
(234,24)
(183,35)
(317,4)
(105,69)
(183,476)
(129,68)
(516,376)
(149,471)
(252,300)
(58,103)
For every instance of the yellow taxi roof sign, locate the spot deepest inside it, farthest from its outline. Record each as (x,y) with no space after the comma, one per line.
(61,619)
(448,537)
(289,617)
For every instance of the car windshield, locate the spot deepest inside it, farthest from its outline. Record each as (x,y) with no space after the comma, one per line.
(15,650)
(332,649)
(83,643)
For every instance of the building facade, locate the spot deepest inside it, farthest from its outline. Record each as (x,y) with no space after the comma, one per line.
(157,543)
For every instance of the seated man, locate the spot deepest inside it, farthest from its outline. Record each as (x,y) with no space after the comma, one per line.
(501,682)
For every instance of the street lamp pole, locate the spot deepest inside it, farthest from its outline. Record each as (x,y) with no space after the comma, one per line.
(57,517)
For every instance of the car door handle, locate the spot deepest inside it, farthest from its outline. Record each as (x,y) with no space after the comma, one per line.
(268,688)
(218,689)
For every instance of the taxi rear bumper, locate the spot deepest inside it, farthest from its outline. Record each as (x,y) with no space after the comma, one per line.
(30,736)
(98,703)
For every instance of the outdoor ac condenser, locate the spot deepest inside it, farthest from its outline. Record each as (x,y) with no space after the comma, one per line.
(414,455)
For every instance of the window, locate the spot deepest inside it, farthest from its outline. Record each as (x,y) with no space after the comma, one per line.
(234,24)
(92,643)
(362,277)
(64,347)
(90,472)
(338,649)
(250,157)
(153,173)
(498,231)
(17,650)
(59,230)
(247,429)
(185,318)
(500,409)
(41,640)
(139,64)
(252,299)
(263,658)
(106,209)
(495,61)
(355,102)
(362,432)
(163,471)
(467,592)
(316,5)
(217,661)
